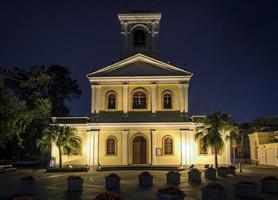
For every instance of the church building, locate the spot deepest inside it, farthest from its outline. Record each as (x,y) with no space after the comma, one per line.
(139,108)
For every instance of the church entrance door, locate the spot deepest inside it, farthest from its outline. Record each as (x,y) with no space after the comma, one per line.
(139,150)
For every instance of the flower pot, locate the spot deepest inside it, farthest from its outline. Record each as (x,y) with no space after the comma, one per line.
(194,176)
(170,194)
(245,189)
(27,185)
(232,170)
(222,171)
(210,173)
(270,186)
(75,185)
(145,179)
(112,182)
(173,178)
(213,192)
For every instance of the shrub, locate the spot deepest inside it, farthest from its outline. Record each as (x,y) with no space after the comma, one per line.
(171,191)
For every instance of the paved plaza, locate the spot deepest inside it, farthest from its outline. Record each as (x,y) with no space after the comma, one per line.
(54,185)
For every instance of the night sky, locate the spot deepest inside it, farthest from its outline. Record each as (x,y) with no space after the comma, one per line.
(231,47)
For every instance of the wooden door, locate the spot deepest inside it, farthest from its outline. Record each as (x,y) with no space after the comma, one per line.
(139,150)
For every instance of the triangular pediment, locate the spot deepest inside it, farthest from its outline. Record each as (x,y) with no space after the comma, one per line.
(139,65)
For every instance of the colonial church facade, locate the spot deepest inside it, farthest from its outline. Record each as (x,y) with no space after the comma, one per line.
(139,108)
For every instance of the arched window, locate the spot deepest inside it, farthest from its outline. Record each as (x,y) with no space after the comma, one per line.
(167,101)
(111,146)
(111,101)
(168,145)
(139,100)
(139,38)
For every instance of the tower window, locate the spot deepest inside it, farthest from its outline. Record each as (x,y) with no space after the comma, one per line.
(167,101)
(139,38)
(139,100)
(111,101)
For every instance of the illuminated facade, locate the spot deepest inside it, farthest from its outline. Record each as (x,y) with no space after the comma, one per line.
(264,147)
(139,107)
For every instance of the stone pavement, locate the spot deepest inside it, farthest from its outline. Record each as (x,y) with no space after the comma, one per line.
(54,185)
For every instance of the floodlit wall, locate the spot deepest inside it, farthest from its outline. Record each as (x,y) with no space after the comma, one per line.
(124,148)
(160,89)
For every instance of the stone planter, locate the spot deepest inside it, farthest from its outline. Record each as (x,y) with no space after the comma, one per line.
(270,185)
(232,170)
(145,179)
(222,171)
(112,182)
(173,178)
(170,194)
(213,191)
(75,184)
(245,189)
(210,173)
(194,176)
(27,185)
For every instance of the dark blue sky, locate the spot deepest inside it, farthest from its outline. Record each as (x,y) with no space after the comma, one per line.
(230,46)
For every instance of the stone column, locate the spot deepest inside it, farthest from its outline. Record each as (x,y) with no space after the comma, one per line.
(153,93)
(96,147)
(125,98)
(90,145)
(181,98)
(126,34)
(185,97)
(97,106)
(93,99)
(153,135)
(125,147)
(183,147)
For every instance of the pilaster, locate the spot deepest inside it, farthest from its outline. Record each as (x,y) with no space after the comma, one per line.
(153,94)
(125,147)
(153,135)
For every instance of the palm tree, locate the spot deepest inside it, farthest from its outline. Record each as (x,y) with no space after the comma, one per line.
(211,133)
(63,137)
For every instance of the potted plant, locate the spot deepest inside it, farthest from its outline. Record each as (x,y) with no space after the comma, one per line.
(170,193)
(112,182)
(145,179)
(270,184)
(213,191)
(75,184)
(210,173)
(173,178)
(222,171)
(245,189)
(27,185)
(232,170)
(106,196)
(194,175)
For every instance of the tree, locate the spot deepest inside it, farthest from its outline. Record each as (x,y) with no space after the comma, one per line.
(45,94)
(211,135)
(63,137)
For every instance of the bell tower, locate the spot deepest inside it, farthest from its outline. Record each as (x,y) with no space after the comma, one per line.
(139,34)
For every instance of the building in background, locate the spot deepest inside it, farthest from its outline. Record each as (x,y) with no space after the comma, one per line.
(264,147)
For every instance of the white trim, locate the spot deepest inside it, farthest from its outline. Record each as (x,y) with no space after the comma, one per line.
(182,125)
(139,78)
(138,57)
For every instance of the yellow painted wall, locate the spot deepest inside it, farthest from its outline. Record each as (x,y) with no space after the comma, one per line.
(173,88)
(105,159)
